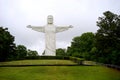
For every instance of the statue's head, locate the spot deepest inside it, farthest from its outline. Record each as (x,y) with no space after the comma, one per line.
(50,19)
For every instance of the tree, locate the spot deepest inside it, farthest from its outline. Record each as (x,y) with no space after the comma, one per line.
(108,37)
(32,53)
(109,30)
(7,46)
(60,52)
(82,45)
(21,51)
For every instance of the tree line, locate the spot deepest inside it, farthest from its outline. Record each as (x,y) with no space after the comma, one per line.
(9,50)
(102,46)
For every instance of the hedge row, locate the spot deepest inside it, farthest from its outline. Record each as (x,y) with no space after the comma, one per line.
(74,59)
(45,57)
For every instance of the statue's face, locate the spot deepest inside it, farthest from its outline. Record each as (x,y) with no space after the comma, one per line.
(50,19)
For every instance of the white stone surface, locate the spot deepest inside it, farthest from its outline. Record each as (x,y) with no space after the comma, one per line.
(50,31)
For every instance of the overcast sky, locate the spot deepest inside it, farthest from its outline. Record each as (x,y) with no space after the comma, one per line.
(82,14)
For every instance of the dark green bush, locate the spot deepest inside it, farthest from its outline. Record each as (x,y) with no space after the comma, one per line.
(50,57)
(74,59)
(47,57)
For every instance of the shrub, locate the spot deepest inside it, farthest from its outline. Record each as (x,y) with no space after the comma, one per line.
(46,57)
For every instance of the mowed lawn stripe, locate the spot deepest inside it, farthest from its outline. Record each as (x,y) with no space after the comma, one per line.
(37,62)
(59,73)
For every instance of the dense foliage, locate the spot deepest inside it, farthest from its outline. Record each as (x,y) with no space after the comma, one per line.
(32,53)
(108,38)
(7,46)
(21,51)
(60,52)
(82,45)
(8,49)
(104,46)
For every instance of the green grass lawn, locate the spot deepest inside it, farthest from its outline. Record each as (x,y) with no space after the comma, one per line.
(37,62)
(59,73)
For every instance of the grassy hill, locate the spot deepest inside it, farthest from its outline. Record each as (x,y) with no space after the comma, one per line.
(58,72)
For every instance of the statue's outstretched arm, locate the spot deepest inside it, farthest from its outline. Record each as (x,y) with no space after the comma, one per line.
(37,28)
(63,28)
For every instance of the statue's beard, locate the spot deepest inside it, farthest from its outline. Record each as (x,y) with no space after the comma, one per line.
(50,22)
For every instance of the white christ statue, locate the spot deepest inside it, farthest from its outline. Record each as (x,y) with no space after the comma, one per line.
(50,31)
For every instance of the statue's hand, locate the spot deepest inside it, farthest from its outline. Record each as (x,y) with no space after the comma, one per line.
(29,26)
(70,26)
